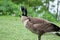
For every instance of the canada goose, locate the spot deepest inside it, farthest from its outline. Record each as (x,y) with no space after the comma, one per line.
(37,25)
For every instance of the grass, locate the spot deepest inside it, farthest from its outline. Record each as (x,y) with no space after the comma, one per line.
(11,28)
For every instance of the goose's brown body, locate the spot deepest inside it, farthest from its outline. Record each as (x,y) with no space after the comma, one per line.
(36,24)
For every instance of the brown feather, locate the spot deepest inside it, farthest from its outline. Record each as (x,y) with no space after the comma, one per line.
(35,24)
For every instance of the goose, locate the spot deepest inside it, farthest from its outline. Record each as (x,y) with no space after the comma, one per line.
(37,25)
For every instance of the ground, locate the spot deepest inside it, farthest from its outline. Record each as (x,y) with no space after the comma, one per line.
(11,28)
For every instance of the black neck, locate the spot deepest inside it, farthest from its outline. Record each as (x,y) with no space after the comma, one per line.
(24,11)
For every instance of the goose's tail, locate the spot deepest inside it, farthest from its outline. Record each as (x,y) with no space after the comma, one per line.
(57,29)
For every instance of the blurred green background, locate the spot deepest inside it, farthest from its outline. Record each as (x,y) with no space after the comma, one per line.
(11,27)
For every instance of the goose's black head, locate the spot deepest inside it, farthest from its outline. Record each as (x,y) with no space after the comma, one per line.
(24,11)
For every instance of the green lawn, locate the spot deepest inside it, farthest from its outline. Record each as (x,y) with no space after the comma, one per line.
(11,28)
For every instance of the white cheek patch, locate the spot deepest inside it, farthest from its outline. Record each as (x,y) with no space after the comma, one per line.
(25,22)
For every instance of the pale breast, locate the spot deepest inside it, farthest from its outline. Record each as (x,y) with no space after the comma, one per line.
(25,22)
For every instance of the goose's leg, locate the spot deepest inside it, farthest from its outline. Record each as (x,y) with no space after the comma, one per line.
(39,37)
(40,33)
